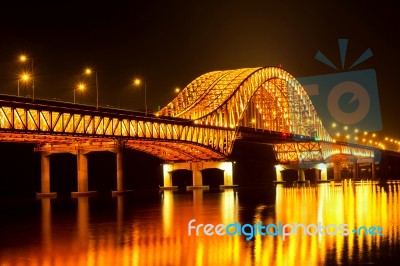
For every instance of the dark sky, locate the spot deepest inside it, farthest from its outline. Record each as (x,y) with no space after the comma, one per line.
(170,43)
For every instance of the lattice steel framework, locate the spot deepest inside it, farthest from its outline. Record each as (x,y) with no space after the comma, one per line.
(265,98)
(317,152)
(168,138)
(298,152)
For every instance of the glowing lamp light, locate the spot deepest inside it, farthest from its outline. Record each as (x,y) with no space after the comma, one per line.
(81,86)
(23,58)
(25,77)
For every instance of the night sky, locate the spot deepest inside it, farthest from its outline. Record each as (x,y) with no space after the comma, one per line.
(169,44)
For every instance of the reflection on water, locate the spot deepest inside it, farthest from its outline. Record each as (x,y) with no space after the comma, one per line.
(153,230)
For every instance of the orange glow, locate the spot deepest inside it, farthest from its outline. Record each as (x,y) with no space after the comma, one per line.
(142,240)
(25,76)
(88,71)
(137,82)
(81,86)
(23,58)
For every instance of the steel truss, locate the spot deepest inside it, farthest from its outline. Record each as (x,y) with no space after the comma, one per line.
(317,152)
(298,152)
(168,139)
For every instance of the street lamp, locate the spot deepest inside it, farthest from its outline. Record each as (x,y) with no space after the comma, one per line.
(24,77)
(137,82)
(81,86)
(23,58)
(89,71)
(177,90)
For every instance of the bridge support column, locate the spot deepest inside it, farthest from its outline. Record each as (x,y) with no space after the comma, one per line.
(82,169)
(196,172)
(196,168)
(167,174)
(82,172)
(228,173)
(302,175)
(323,173)
(355,170)
(119,156)
(45,177)
(317,173)
(278,171)
(120,171)
(227,167)
(373,173)
(336,171)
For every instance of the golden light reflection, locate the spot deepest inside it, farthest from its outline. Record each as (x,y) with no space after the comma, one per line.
(46,223)
(355,204)
(167,211)
(83,219)
(157,234)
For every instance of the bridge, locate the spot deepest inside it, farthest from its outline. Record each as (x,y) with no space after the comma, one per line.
(195,131)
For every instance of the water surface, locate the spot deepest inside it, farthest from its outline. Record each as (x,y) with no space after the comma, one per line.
(151,227)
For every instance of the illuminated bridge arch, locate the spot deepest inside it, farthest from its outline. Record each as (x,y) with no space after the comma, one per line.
(266,98)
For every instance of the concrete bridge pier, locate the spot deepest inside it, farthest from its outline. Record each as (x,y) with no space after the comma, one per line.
(336,171)
(366,162)
(355,170)
(322,173)
(45,177)
(278,171)
(120,170)
(373,170)
(320,169)
(82,168)
(228,175)
(196,168)
(302,175)
(167,174)
(119,156)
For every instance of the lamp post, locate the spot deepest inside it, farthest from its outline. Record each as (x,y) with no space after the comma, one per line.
(89,71)
(81,86)
(137,82)
(23,58)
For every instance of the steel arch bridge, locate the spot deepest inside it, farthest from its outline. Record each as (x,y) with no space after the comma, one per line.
(266,98)
(201,123)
